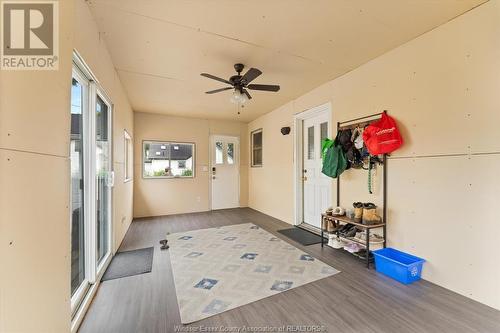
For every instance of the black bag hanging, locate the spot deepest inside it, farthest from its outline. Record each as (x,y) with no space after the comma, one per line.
(354,157)
(344,139)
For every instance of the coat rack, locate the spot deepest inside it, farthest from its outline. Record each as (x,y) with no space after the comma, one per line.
(350,124)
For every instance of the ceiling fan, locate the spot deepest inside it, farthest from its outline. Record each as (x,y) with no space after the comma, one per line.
(240,84)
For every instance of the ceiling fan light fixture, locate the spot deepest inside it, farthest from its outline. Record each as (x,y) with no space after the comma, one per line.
(240,83)
(237,97)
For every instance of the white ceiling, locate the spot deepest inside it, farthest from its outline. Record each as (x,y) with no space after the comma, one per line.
(160,47)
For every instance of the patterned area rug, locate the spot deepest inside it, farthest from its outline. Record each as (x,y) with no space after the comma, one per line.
(219,269)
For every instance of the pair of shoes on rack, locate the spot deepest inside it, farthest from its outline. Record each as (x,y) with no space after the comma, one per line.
(338,211)
(344,227)
(366,213)
(332,226)
(374,238)
(353,247)
(329,225)
(348,230)
(336,242)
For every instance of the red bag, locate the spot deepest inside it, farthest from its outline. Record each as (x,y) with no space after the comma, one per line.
(382,136)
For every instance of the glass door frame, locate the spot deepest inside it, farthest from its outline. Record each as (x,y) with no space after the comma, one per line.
(93,269)
(82,290)
(101,266)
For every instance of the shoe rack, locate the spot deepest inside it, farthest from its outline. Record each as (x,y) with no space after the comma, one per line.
(350,124)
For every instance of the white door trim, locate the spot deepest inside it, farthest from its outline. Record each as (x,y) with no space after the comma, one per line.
(210,164)
(298,166)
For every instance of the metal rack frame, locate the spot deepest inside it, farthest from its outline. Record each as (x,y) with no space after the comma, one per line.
(352,123)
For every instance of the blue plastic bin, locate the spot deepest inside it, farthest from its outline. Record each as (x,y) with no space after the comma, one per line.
(398,265)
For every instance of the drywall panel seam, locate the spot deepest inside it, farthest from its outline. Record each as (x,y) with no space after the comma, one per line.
(32,152)
(444,155)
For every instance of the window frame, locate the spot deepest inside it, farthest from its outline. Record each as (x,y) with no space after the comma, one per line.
(128,170)
(252,162)
(193,168)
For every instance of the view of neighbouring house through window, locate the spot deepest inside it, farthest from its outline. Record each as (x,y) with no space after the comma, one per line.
(168,159)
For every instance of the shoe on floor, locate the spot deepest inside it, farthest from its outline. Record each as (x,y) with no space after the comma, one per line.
(361,254)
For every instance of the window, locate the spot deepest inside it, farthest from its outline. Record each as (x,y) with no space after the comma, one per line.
(219,151)
(324,131)
(256,138)
(168,159)
(128,155)
(230,153)
(310,143)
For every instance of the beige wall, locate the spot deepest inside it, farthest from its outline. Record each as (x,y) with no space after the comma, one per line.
(155,197)
(34,193)
(443,89)
(93,50)
(34,178)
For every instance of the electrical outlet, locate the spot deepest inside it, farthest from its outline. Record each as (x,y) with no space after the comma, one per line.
(198,199)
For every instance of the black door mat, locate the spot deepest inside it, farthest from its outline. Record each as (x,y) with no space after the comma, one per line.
(301,236)
(130,263)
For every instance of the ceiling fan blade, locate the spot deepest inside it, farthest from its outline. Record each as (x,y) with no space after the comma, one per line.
(213,77)
(246,93)
(250,75)
(264,87)
(218,90)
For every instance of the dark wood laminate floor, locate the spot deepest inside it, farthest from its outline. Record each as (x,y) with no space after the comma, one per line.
(356,300)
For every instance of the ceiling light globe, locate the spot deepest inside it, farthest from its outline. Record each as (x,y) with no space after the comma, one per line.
(243,98)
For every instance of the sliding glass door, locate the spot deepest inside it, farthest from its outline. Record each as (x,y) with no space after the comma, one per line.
(91,182)
(103,181)
(79,93)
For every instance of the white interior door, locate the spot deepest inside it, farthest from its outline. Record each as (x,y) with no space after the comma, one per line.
(317,187)
(224,171)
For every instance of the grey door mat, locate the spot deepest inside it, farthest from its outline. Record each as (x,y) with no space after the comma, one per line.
(130,263)
(301,236)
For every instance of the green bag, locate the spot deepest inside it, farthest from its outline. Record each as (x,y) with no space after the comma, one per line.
(334,160)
